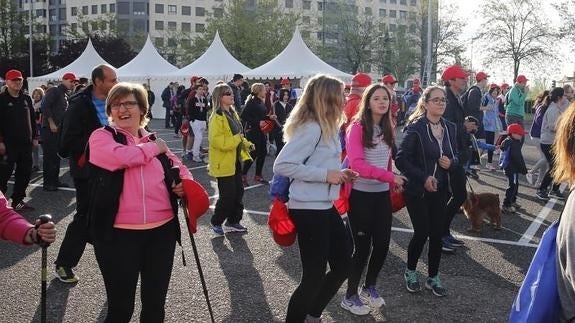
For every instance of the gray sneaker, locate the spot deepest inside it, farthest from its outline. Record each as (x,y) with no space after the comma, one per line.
(235,227)
(411,281)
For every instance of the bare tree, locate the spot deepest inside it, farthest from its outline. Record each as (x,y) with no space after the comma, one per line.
(515,31)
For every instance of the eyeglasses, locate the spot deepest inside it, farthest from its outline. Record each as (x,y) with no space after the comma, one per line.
(128,105)
(437,100)
(227,94)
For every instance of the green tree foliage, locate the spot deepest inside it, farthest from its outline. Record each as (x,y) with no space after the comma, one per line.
(398,55)
(114,50)
(516,32)
(254,32)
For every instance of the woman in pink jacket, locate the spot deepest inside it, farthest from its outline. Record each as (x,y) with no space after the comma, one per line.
(370,148)
(145,228)
(15,228)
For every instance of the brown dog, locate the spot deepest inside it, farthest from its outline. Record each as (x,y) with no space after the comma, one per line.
(480,205)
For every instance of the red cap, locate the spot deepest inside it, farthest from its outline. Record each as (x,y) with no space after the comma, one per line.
(416,82)
(13,74)
(521,79)
(283,228)
(480,76)
(194,79)
(284,81)
(69,76)
(360,80)
(198,202)
(388,79)
(515,128)
(504,86)
(453,72)
(493,86)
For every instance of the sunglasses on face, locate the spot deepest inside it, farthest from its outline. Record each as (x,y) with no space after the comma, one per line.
(227,94)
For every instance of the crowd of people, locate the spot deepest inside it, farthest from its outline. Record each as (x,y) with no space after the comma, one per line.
(120,170)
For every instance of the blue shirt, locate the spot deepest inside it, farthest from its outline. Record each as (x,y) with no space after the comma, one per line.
(101,110)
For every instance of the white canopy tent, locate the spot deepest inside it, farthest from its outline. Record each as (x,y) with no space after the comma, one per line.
(295,61)
(81,67)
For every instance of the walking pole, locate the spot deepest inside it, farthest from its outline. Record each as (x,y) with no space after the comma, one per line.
(45,218)
(177,180)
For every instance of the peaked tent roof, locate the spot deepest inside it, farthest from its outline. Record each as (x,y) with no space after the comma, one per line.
(82,66)
(216,62)
(146,64)
(295,61)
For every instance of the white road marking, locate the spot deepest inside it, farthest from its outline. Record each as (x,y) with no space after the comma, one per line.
(70,189)
(541,217)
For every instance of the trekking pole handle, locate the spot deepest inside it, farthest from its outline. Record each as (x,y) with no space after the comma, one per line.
(44,218)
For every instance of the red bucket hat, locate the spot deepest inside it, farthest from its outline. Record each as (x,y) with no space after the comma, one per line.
(198,202)
(281,225)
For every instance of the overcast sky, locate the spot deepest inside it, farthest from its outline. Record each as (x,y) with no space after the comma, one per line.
(470,11)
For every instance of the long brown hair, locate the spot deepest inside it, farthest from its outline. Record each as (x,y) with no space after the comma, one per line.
(365,118)
(564,148)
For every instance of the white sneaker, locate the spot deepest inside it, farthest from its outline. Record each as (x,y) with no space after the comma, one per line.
(529,177)
(355,305)
(490,166)
(371,297)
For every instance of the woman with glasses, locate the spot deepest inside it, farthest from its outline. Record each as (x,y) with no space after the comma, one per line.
(135,230)
(227,150)
(426,156)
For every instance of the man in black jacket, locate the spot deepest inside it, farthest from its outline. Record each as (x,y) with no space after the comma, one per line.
(86,113)
(455,80)
(17,136)
(236,84)
(54,105)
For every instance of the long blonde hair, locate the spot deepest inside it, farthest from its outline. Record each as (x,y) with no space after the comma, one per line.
(564,148)
(420,107)
(255,89)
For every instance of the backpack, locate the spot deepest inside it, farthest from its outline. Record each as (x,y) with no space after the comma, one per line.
(504,158)
(465,96)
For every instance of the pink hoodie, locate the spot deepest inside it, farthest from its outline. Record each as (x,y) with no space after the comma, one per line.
(144,202)
(13,226)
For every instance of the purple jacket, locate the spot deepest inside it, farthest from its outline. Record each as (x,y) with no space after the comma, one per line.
(535,131)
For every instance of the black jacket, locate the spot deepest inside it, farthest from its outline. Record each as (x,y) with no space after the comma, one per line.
(418,154)
(80,120)
(54,104)
(253,113)
(455,113)
(17,126)
(472,103)
(516,161)
(281,112)
(237,95)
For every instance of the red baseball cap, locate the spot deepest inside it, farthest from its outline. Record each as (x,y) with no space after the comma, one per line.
(453,72)
(504,86)
(515,128)
(198,202)
(284,81)
(69,76)
(480,76)
(12,75)
(360,80)
(521,79)
(416,82)
(194,79)
(388,79)
(493,86)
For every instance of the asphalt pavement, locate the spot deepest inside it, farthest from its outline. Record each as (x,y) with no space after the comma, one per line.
(250,278)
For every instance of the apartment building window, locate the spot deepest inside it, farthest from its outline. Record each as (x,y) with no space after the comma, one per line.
(73,12)
(306,5)
(382,13)
(289,3)
(84,10)
(172,9)
(368,11)
(306,19)
(186,11)
(73,27)
(200,11)
(62,28)
(123,8)
(393,13)
(103,8)
(172,26)
(94,25)
(403,2)
(140,8)
(186,27)
(403,15)
(200,28)
(393,1)
(159,8)
(413,2)
(52,29)
(94,9)
(41,13)
(320,7)
(392,27)
(52,14)
(139,24)
(112,7)
(159,41)
(159,25)
(172,42)
(218,12)
(62,14)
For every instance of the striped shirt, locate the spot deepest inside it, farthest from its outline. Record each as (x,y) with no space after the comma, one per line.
(377,156)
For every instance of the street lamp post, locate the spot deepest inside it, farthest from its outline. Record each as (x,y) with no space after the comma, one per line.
(30,38)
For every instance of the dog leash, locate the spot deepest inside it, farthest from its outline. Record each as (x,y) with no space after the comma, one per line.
(469,184)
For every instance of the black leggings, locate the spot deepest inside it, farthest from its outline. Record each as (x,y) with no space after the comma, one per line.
(458,187)
(322,238)
(229,205)
(133,253)
(259,154)
(427,217)
(548,179)
(370,220)
(490,139)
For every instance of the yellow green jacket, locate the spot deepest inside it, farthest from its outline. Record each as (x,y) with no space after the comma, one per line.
(223,146)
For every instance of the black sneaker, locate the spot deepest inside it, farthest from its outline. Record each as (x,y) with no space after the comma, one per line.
(66,275)
(556,194)
(434,284)
(446,245)
(455,242)
(542,195)
(411,281)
